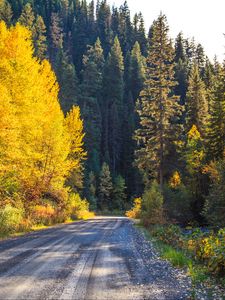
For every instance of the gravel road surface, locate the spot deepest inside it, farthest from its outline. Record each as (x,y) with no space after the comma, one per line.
(103,258)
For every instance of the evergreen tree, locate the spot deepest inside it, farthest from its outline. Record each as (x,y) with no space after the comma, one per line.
(137,71)
(216,136)
(181,75)
(214,207)
(141,35)
(134,80)
(209,79)
(194,155)
(91,193)
(91,92)
(6,12)
(56,38)
(190,48)
(80,34)
(159,111)
(181,68)
(112,106)
(69,84)
(115,21)
(200,58)
(105,188)
(197,108)
(119,193)
(125,28)
(180,48)
(103,23)
(40,40)
(27,18)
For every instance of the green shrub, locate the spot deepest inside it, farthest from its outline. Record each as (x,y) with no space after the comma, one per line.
(169,234)
(178,203)
(78,208)
(210,249)
(177,258)
(152,206)
(206,247)
(10,219)
(214,209)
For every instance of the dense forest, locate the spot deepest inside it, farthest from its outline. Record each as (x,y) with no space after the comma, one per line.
(153,111)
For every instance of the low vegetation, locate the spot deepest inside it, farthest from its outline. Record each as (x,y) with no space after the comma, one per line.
(135,211)
(205,247)
(41,150)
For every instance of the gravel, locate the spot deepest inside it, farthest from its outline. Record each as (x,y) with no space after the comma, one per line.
(103,258)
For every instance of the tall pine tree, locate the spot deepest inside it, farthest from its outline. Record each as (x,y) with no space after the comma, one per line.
(91,94)
(197,108)
(158,109)
(216,137)
(105,188)
(112,106)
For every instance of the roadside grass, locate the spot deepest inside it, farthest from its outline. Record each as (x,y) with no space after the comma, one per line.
(198,273)
(39,227)
(176,257)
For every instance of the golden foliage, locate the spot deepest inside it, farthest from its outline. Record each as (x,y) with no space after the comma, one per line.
(38,146)
(175,180)
(135,212)
(194,133)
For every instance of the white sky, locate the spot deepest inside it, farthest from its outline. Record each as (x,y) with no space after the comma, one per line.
(202,19)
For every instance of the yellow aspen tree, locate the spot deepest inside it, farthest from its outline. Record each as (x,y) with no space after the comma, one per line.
(8,138)
(43,142)
(77,155)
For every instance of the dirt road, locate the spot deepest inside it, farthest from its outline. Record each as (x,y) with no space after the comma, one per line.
(104,258)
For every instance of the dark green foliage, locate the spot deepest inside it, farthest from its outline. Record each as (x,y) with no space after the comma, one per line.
(6,12)
(197,106)
(181,68)
(178,204)
(92,190)
(56,37)
(90,101)
(27,17)
(105,188)
(125,28)
(216,134)
(180,53)
(40,40)
(104,31)
(112,106)
(80,33)
(137,71)
(214,209)
(139,33)
(105,79)
(69,85)
(200,58)
(209,80)
(134,80)
(119,193)
(152,205)
(158,109)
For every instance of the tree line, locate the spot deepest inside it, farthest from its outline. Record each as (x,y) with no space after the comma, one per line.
(152,108)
